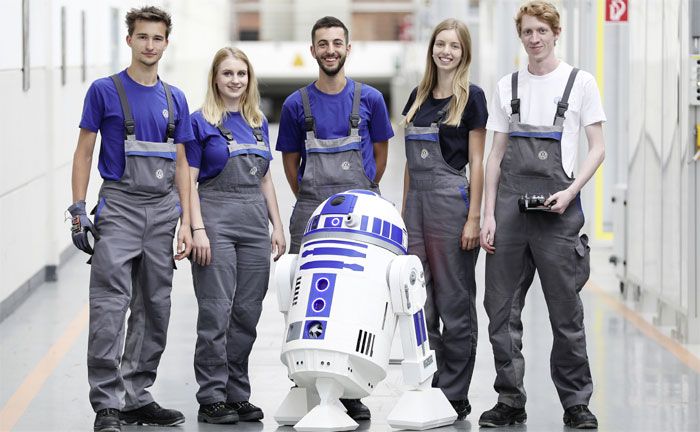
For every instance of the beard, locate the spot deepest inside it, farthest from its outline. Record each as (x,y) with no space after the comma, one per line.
(334,71)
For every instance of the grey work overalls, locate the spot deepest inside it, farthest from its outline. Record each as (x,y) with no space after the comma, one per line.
(332,166)
(437,204)
(132,267)
(542,241)
(231,289)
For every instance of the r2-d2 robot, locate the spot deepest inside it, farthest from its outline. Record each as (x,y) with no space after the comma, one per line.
(342,297)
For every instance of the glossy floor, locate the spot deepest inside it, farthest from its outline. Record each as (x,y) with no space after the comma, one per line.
(640,385)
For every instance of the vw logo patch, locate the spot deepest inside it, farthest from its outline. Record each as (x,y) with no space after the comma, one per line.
(159,174)
(424,154)
(542,155)
(254,170)
(345,165)
(165,113)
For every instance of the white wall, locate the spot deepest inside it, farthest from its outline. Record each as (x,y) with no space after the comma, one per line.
(40,125)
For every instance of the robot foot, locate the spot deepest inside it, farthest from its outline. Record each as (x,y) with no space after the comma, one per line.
(329,415)
(422,409)
(296,405)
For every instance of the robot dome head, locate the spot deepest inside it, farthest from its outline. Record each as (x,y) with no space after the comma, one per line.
(360,215)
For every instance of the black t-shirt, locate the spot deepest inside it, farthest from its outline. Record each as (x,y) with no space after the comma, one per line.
(454,141)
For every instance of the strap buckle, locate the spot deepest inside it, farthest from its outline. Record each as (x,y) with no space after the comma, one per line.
(258,134)
(561,109)
(170,131)
(354,121)
(130,127)
(309,124)
(515,106)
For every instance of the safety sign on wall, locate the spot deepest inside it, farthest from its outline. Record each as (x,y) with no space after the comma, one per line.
(616,10)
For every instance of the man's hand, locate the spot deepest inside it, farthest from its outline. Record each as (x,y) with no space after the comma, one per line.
(561,201)
(201,250)
(184,242)
(488,233)
(81,226)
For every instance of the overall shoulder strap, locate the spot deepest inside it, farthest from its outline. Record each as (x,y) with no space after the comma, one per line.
(355,113)
(170,131)
(129,125)
(258,133)
(563,104)
(309,121)
(224,131)
(514,101)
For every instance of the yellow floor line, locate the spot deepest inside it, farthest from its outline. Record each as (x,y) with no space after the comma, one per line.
(32,384)
(649,330)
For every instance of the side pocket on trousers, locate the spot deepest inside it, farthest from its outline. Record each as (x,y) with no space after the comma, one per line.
(98,209)
(583,262)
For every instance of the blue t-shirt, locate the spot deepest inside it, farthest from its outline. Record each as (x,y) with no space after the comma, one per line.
(102,112)
(208,151)
(332,114)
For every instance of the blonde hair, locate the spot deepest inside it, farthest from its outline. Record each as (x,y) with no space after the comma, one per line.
(214,109)
(460,82)
(542,10)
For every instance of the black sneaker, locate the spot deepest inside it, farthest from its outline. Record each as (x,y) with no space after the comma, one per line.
(107,420)
(356,409)
(462,407)
(217,413)
(246,411)
(580,417)
(152,414)
(503,415)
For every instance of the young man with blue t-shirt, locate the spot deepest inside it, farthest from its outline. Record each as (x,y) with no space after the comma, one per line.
(333,136)
(140,119)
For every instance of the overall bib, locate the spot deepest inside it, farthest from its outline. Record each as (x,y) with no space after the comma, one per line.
(231,289)
(132,267)
(437,204)
(332,166)
(542,241)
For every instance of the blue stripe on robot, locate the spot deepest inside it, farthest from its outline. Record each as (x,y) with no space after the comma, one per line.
(363,224)
(419,326)
(369,234)
(330,264)
(386,229)
(377,226)
(363,192)
(343,242)
(333,251)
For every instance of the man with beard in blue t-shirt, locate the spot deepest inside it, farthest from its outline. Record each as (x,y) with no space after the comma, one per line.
(333,136)
(140,119)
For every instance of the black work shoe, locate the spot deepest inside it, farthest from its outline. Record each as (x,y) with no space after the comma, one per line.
(356,409)
(246,411)
(503,415)
(152,414)
(462,407)
(107,420)
(580,417)
(217,413)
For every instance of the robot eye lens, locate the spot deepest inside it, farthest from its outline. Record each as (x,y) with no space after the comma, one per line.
(338,200)
(318,305)
(322,284)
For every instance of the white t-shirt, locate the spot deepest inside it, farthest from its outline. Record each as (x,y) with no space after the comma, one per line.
(539,95)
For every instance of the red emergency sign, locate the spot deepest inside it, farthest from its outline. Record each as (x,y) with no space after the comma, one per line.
(616,10)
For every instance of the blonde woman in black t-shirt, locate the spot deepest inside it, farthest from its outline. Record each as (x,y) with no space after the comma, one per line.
(445,130)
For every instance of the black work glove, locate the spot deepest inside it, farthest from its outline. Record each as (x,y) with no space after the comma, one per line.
(82,227)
